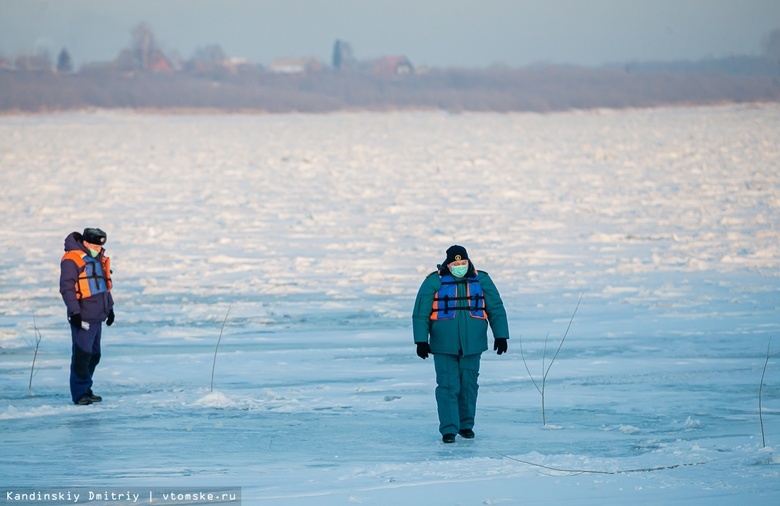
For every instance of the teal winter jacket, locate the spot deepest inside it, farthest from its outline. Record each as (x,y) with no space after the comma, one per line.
(464,334)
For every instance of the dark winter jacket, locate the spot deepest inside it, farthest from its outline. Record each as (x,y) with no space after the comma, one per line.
(464,334)
(93,306)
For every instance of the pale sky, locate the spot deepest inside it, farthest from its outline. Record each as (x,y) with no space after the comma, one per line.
(438,33)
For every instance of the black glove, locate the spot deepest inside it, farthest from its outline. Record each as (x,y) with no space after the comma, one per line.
(500,345)
(423,350)
(75,320)
(110,318)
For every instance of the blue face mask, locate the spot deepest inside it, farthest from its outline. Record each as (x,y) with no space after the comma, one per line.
(459,270)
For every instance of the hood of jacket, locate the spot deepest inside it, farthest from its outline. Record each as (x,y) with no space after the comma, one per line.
(75,241)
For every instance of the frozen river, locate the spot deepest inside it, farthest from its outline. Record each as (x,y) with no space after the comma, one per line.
(315,231)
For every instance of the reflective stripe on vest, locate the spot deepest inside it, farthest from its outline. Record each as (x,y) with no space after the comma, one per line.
(94,273)
(445,302)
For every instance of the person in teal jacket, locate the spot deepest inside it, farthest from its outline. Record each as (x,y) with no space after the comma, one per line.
(452,311)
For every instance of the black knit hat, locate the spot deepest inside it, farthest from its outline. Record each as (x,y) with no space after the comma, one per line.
(455,253)
(94,236)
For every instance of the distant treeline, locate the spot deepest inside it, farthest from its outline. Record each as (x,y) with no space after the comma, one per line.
(499,89)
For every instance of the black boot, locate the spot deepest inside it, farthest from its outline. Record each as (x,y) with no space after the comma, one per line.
(448,438)
(466,433)
(84,401)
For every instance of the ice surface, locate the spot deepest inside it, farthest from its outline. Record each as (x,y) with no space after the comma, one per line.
(315,231)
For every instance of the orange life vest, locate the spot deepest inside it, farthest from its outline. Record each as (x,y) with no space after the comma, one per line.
(94,273)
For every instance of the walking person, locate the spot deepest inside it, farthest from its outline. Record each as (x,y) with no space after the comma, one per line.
(453,308)
(85,285)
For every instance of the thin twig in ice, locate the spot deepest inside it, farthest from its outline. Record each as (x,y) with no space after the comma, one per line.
(761,390)
(35,355)
(214,364)
(546,371)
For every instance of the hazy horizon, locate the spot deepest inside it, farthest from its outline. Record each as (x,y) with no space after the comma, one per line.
(454,33)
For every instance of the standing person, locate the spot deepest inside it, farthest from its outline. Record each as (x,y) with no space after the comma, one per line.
(454,306)
(85,285)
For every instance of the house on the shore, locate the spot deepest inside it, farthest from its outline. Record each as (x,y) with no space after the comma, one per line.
(294,66)
(158,62)
(390,66)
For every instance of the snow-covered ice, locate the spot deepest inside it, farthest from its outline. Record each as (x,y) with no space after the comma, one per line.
(312,234)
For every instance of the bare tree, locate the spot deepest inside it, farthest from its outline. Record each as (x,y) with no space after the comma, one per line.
(208,60)
(143,44)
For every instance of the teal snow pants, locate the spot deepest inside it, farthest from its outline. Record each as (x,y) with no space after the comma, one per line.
(456,391)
